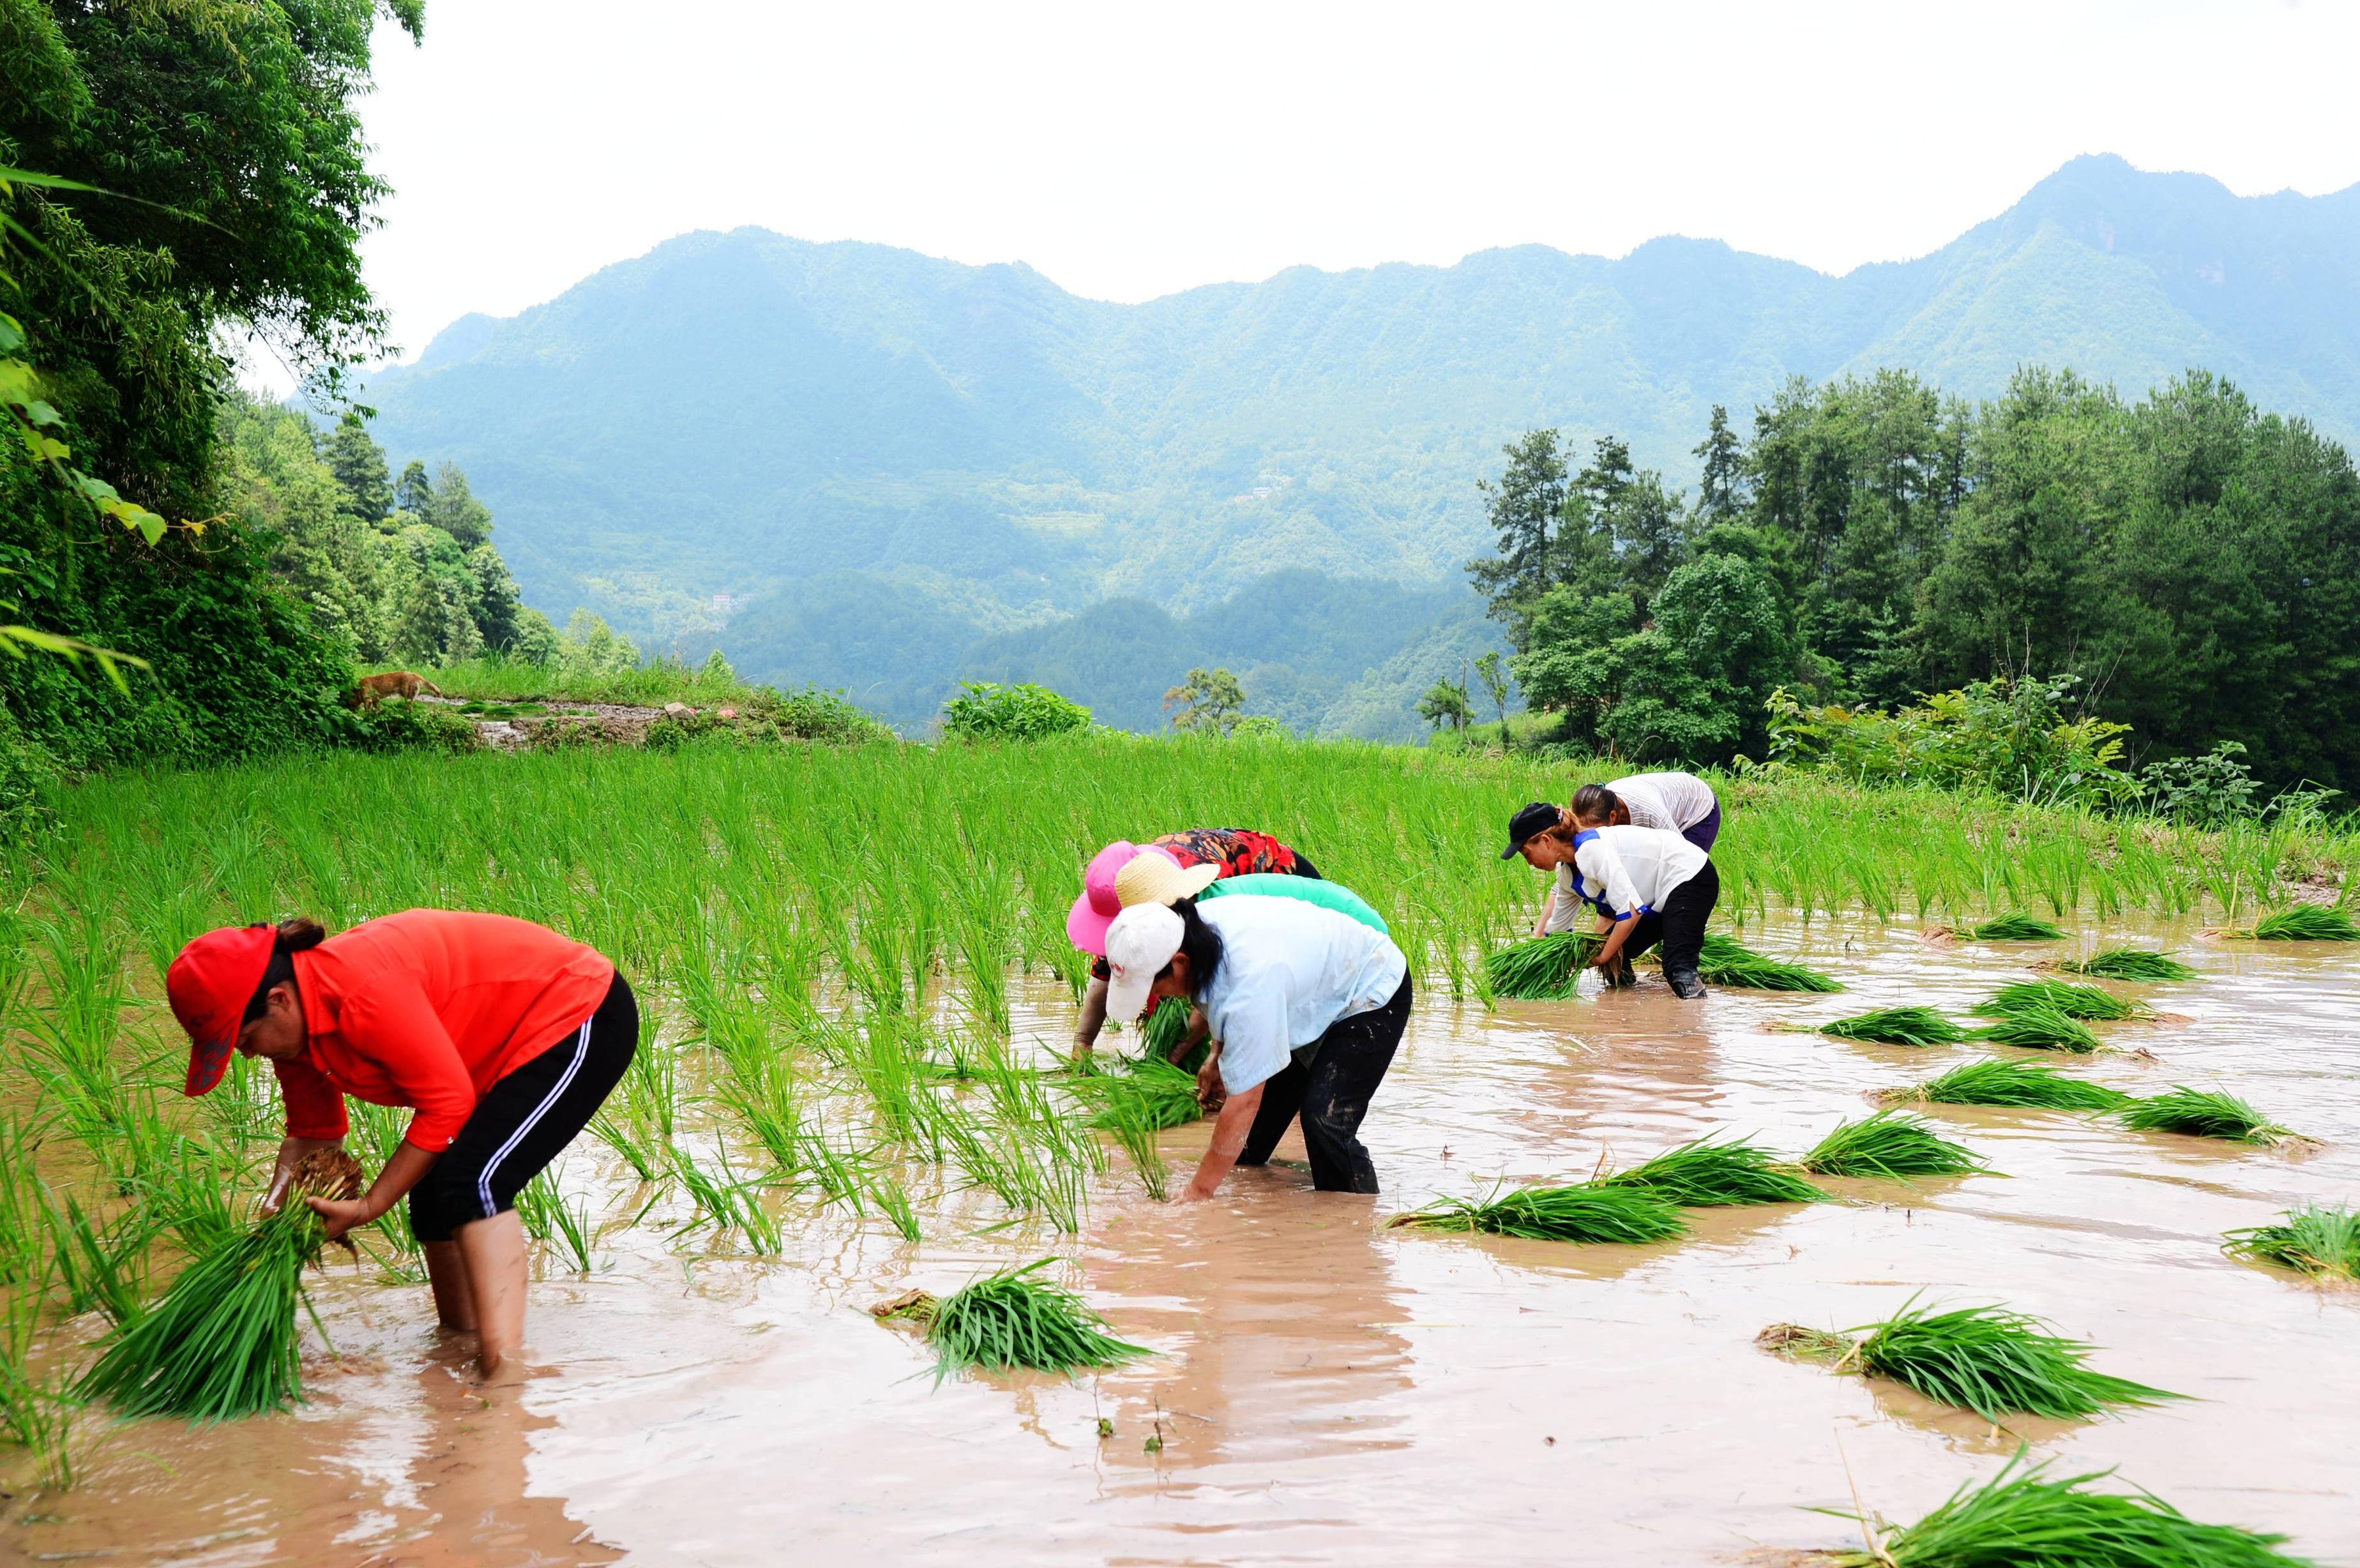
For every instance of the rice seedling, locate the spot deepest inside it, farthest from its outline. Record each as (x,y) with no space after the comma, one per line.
(23,1247)
(104,1272)
(2022,1518)
(1986,1359)
(1165,1027)
(2029,1084)
(1890,1144)
(224,1342)
(2204,1113)
(1725,960)
(1897,1026)
(1008,1320)
(542,1209)
(2036,1027)
(1154,1093)
(2128,964)
(2304,922)
(2015,928)
(36,1413)
(1545,969)
(1705,1174)
(2322,1242)
(1588,1213)
(727,1204)
(2074,1001)
(892,1200)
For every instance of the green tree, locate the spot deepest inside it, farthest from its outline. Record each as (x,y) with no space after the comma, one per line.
(1522,505)
(452,507)
(414,493)
(1444,704)
(358,464)
(1209,702)
(1493,670)
(1722,455)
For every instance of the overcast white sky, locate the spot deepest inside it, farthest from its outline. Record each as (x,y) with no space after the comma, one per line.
(1130,150)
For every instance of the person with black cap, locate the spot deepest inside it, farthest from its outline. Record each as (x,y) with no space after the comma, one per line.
(1647,885)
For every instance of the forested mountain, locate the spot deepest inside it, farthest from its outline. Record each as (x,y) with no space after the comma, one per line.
(970,451)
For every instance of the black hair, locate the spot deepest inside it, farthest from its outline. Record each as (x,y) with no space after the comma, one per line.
(1200,944)
(1595,802)
(294,935)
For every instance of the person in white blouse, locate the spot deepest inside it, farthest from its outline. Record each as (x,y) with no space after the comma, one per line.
(1647,885)
(1676,802)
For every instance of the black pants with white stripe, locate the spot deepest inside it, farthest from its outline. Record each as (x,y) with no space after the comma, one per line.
(526,1118)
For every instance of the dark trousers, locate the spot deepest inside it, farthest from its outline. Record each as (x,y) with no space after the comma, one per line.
(1703,833)
(1332,1097)
(524,1120)
(1679,924)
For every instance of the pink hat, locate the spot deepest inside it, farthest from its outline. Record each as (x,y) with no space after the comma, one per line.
(1086,924)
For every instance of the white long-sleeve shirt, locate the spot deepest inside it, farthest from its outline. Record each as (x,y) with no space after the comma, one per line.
(1673,801)
(1633,869)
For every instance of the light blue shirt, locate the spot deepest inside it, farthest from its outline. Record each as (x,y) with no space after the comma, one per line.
(1289,971)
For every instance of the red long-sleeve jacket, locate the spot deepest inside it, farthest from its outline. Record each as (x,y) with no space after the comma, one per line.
(429,1008)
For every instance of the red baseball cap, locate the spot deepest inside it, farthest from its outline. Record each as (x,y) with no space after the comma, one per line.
(210,984)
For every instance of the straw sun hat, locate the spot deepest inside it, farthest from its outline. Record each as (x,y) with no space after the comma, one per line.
(1123,874)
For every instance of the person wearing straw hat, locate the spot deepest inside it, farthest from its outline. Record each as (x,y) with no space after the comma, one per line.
(1307,1005)
(502,1036)
(1227,852)
(1647,886)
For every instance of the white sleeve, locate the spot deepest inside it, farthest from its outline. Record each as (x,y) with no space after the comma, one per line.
(1565,903)
(1601,864)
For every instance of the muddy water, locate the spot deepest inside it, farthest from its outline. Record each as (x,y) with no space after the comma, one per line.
(1329,1389)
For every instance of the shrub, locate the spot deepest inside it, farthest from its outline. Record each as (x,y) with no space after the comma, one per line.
(2001,737)
(396,725)
(986,711)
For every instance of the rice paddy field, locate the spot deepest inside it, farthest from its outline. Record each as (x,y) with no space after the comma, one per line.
(851,1096)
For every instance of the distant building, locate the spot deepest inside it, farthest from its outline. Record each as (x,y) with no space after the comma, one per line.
(722,603)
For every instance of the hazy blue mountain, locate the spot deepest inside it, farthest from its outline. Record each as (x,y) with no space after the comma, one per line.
(902,467)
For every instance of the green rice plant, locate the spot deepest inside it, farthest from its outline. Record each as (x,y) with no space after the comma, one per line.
(1897,1026)
(1986,1359)
(102,1271)
(2022,1518)
(2028,1084)
(2015,928)
(2037,1027)
(1705,1174)
(1545,969)
(2204,1113)
(2304,922)
(767,1104)
(1586,1212)
(37,1412)
(1725,960)
(2061,995)
(1011,1319)
(24,1248)
(541,1207)
(841,1174)
(1890,1144)
(222,1342)
(892,1200)
(2322,1242)
(2129,963)
(1165,1027)
(1154,1093)
(727,1204)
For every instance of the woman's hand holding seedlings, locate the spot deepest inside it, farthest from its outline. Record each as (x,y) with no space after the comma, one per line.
(291,1151)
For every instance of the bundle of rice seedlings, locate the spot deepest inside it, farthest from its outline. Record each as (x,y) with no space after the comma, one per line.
(2316,1240)
(1587,1213)
(1008,1320)
(2038,1028)
(2128,964)
(1986,1359)
(2022,1519)
(2073,1001)
(1154,1093)
(1725,960)
(2305,923)
(1545,969)
(1165,1027)
(2204,1113)
(2026,1084)
(222,1342)
(1897,1026)
(1705,1174)
(1890,1143)
(2015,928)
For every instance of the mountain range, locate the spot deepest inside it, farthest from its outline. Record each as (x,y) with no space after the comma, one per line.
(902,471)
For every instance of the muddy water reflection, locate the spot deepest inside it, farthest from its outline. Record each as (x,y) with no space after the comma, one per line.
(1331,1389)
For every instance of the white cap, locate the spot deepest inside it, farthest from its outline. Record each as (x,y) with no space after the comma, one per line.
(1138,944)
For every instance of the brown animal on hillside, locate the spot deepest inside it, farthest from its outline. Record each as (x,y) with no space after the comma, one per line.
(402,684)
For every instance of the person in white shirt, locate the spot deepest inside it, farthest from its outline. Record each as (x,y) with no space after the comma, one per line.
(1646,885)
(1307,1007)
(1676,802)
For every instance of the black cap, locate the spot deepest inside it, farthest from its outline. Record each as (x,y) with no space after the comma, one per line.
(1530,821)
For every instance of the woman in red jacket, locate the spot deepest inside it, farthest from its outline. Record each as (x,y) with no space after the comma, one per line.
(504,1037)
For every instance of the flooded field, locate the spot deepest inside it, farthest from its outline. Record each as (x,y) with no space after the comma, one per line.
(1329,1389)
